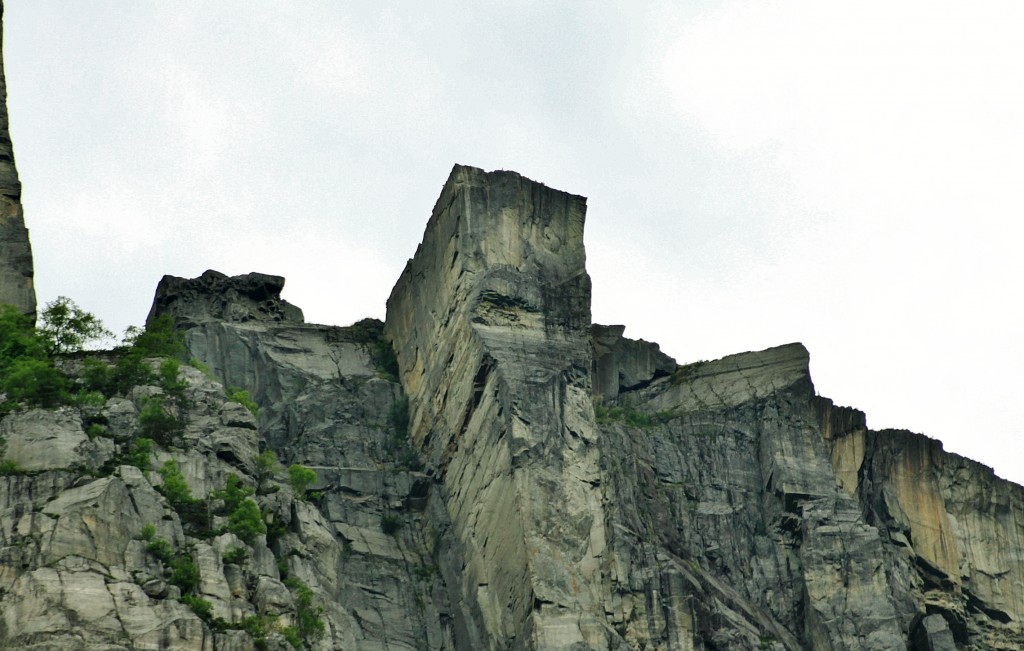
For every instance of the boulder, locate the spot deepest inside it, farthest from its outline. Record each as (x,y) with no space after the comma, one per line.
(51,439)
(622,364)
(214,296)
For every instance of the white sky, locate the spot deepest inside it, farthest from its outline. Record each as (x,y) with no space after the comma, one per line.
(848,175)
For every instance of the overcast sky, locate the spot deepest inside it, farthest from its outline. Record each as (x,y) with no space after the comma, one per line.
(847,175)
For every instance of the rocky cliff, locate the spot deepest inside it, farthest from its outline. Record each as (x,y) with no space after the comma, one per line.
(486,470)
(603,497)
(493,471)
(16,271)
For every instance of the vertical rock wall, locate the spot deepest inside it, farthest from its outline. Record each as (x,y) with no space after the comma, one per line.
(16,272)
(541,483)
(366,547)
(490,323)
(959,527)
(717,505)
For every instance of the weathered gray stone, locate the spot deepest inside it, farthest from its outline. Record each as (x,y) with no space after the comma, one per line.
(16,271)
(964,533)
(715,505)
(326,401)
(271,597)
(490,322)
(41,439)
(164,624)
(214,296)
(234,414)
(96,521)
(933,634)
(122,418)
(622,364)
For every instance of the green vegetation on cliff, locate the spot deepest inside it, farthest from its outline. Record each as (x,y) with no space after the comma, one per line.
(30,372)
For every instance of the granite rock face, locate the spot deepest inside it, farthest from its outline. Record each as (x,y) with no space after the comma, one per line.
(43,439)
(494,472)
(622,364)
(77,570)
(490,323)
(214,296)
(16,271)
(367,546)
(640,504)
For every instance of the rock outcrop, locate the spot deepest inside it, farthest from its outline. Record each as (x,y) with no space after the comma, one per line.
(16,271)
(367,545)
(492,472)
(491,323)
(622,364)
(215,297)
(77,567)
(603,497)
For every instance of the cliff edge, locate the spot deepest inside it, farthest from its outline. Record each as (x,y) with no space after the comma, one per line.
(603,497)
(487,470)
(491,470)
(16,271)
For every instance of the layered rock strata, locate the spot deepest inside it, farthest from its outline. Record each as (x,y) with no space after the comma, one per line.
(716,505)
(214,297)
(490,322)
(368,545)
(16,271)
(496,472)
(77,571)
(830,535)
(76,568)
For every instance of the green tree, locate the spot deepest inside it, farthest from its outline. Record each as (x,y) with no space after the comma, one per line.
(308,623)
(130,371)
(267,466)
(233,492)
(157,423)
(65,327)
(201,607)
(236,556)
(184,573)
(175,488)
(194,513)
(36,381)
(246,521)
(170,379)
(27,373)
(18,338)
(140,454)
(161,549)
(300,478)
(242,397)
(160,338)
(383,356)
(9,467)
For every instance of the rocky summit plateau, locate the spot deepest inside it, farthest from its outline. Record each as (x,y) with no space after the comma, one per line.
(485,470)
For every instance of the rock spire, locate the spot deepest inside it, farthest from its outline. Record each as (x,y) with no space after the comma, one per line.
(491,327)
(16,272)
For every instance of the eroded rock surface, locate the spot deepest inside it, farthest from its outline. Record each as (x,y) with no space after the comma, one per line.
(490,322)
(77,570)
(216,297)
(830,535)
(719,504)
(16,271)
(494,472)
(623,364)
(368,546)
